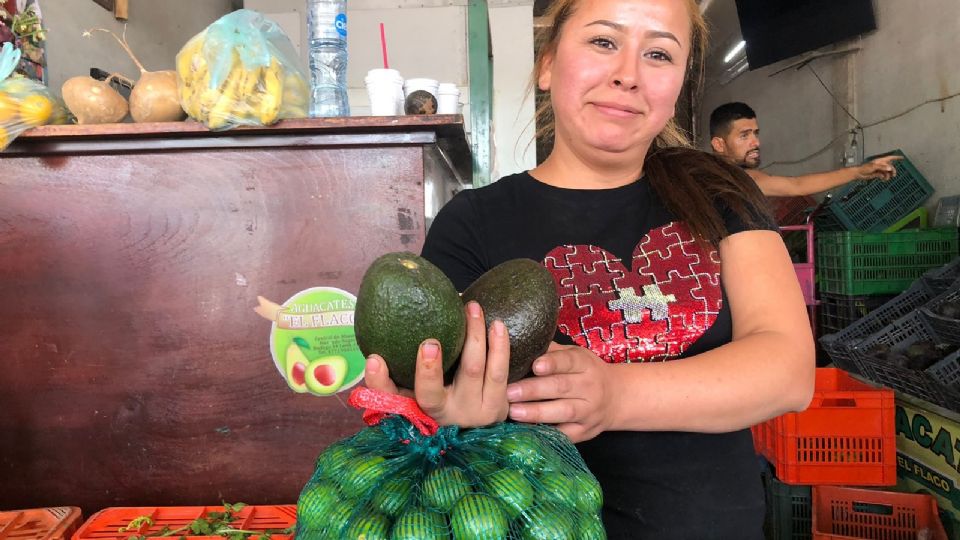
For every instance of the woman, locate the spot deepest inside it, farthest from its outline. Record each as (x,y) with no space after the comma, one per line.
(681,324)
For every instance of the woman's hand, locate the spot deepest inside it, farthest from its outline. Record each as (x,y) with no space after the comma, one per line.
(572,389)
(477,396)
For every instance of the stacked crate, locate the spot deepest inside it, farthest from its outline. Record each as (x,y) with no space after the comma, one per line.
(864,255)
(845,438)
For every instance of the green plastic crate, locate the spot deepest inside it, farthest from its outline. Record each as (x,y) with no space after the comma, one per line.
(860,263)
(874,205)
(918,219)
(789,513)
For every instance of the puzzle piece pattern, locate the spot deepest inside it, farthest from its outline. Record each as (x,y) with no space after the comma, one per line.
(596,289)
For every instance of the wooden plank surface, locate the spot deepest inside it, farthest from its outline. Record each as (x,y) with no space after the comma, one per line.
(135,370)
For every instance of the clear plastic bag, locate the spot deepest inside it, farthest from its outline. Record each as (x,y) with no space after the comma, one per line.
(24,103)
(241,70)
(391,481)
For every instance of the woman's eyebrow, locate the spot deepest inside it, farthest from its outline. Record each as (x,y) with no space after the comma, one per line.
(649,34)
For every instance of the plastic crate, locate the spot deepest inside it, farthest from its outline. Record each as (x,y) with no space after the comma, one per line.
(789,509)
(839,346)
(948,212)
(791,210)
(805,269)
(55,523)
(870,205)
(838,311)
(898,335)
(841,513)
(105,524)
(918,219)
(846,435)
(947,371)
(942,278)
(858,263)
(947,328)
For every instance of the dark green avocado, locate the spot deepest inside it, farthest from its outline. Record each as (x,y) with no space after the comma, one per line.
(522,294)
(403,300)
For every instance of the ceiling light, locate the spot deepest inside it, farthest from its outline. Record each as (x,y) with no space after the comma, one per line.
(733,52)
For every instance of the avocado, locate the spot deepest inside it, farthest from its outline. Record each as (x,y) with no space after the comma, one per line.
(403,300)
(522,294)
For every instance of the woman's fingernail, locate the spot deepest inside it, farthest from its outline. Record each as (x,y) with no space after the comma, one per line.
(372,366)
(473,309)
(430,350)
(539,368)
(513,392)
(518,412)
(499,329)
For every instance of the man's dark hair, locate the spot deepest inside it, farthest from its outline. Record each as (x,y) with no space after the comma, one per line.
(726,114)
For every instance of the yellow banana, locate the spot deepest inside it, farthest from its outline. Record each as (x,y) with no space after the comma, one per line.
(272,96)
(220,113)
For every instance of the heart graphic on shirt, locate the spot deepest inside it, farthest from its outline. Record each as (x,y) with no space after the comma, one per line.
(654,310)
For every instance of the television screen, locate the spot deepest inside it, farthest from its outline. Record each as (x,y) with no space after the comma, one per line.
(778,29)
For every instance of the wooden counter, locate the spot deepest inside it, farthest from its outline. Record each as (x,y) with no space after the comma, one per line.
(134,370)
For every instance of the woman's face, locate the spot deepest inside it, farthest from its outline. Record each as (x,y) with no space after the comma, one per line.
(616,74)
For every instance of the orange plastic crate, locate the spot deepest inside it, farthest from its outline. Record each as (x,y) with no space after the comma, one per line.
(39,523)
(845,437)
(106,524)
(849,513)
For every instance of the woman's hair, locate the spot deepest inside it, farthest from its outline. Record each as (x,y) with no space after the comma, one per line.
(692,184)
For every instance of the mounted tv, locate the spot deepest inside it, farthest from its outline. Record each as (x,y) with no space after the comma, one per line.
(778,29)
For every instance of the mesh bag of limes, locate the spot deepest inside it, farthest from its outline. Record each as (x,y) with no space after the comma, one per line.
(24,103)
(406,479)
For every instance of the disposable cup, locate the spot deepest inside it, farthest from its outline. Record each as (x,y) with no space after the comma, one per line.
(385,90)
(448,99)
(412,85)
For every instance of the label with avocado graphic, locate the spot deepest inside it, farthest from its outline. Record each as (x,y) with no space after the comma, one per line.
(312,340)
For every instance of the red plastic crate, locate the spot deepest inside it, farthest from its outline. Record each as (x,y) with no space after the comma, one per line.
(845,437)
(105,524)
(56,523)
(791,210)
(849,513)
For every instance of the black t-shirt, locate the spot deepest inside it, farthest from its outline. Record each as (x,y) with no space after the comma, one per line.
(633,286)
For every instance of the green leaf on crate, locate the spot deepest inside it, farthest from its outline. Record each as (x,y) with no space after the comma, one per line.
(214,524)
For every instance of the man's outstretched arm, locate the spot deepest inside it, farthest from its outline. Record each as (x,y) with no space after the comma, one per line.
(808,184)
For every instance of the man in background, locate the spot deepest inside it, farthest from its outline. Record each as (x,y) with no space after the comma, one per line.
(735,134)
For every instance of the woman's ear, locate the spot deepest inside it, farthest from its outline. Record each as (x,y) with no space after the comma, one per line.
(543,78)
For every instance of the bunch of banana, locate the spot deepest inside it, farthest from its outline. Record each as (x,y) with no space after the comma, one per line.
(247,96)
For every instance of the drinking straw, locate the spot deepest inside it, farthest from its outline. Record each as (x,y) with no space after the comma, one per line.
(383,47)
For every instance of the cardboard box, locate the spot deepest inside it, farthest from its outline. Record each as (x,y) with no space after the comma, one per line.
(928,455)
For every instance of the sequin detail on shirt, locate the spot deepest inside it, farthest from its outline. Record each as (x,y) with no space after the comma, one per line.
(653,310)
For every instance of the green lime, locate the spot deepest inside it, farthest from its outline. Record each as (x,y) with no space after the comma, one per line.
(315,503)
(392,496)
(479,517)
(523,451)
(443,487)
(590,527)
(334,458)
(481,463)
(361,474)
(326,526)
(420,524)
(589,495)
(512,488)
(557,488)
(368,526)
(548,522)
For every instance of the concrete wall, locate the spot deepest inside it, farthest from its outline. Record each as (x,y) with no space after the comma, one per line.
(911,58)
(156,31)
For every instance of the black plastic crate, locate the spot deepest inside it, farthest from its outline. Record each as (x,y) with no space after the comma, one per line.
(789,511)
(942,278)
(838,311)
(947,371)
(899,335)
(839,345)
(946,327)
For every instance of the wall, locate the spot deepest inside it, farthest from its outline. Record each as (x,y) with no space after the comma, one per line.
(428,38)
(911,58)
(156,31)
